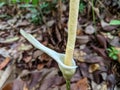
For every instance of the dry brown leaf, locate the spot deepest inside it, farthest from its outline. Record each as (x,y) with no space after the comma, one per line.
(89,29)
(82,84)
(40,66)
(94,67)
(4,63)
(78,55)
(104,86)
(27,59)
(83,39)
(45,57)
(25,87)
(8,86)
(5,75)
(22,24)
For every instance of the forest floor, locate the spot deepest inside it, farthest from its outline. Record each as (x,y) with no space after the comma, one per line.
(23,67)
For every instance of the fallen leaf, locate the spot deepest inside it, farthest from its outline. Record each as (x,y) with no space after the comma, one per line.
(5,75)
(78,55)
(104,86)
(37,53)
(4,52)
(25,87)
(18,84)
(27,59)
(40,66)
(24,47)
(94,67)
(102,41)
(50,23)
(97,77)
(22,23)
(8,86)
(83,39)
(89,29)
(100,51)
(3,26)
(10,40)
(107,27)
(82,84)
(4,63)
(115,41)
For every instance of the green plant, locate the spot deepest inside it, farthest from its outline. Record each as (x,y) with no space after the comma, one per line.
(113,53)
(2,4)
(114,22)
(67,71)
(36,16)
(65,62)
(81,7)
(72,28)
(38,10)
(93,13)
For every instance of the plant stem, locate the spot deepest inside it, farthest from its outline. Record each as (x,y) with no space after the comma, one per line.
(93,13)
(67,84)
(72,28)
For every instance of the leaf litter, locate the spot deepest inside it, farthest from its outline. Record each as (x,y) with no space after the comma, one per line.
(96,70)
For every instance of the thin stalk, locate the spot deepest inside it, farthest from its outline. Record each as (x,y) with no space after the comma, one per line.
(72,28)
(93,13)
(67,84)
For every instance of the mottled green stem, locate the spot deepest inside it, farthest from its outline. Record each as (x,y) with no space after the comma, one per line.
(67,84)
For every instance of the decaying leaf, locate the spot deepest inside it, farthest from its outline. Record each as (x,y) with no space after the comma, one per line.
(5,75)
(89,29)
(50,23)
(22,23)
(10,40)
(94,67)
(107,27)
(104,86)
(78,55)
(82,84)
(4,63)
(25,87)
(24,47)
(4,52)
(8,86)
(95,86)
(83,39)
(102,41)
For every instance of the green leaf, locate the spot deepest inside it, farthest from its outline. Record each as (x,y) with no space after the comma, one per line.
(14,1)
(111,54)
(114,57)
(26,6)
(114,22)
(35,2)
(27,1)
(109,50)
(81,7)
(2,4)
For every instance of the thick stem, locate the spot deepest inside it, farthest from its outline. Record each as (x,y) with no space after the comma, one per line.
(72,27)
